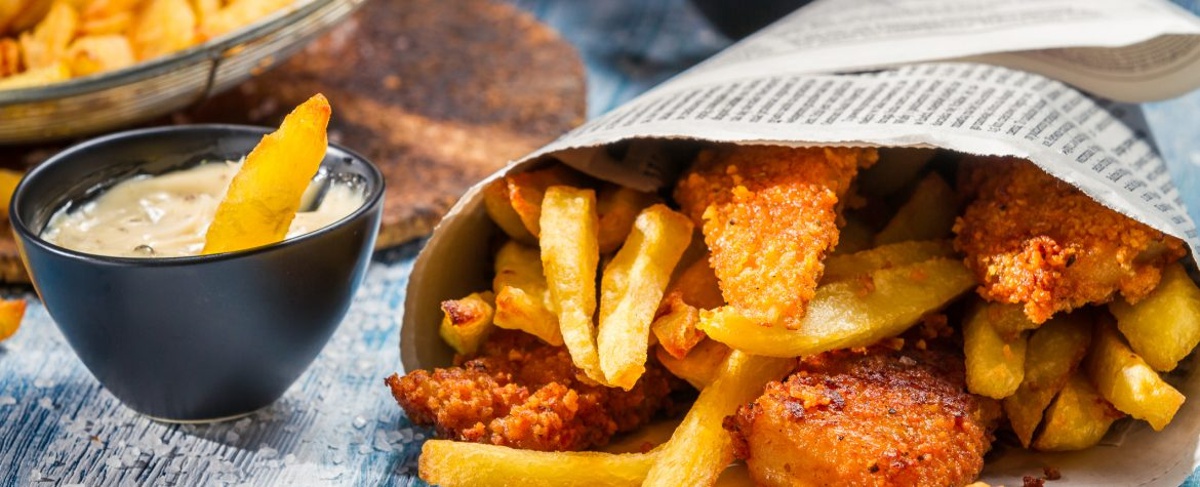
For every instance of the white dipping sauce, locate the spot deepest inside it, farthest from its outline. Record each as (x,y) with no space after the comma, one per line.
(168,215)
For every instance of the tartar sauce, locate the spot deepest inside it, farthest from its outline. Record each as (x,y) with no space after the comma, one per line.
(167,215)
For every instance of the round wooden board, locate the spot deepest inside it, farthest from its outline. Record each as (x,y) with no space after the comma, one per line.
(438,94)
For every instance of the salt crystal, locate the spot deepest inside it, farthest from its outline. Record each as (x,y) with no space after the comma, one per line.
(359,422)
(364,449)
(172,469)
(113,462)
(241,424)
(35,475)
(7,400)
(381,441)
(266,452)
(418,436)
(43,383)
(232,437)
(394,436)
(46,403)
(291,428)
(289,459)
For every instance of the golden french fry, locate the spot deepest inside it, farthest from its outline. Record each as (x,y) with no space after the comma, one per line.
(1054,350)
(1009,320)
(995,364)
(31,12)
(453,464)
(10,57)
(205,10)
(618,206)
(859,264)
(498,206)
(701,448)
(1165,326)
(522,295)
(526,191)
(9,10)
(929,214)
(855,236)
(1077,419)
(467,321)
(98,9)
(94,54)
(570,254)
(897,167)
(37,77)
(238,13)
(264,195)
(631,288)
(676,330)
(47,43)
(9,180)
(163,27)
(12,311)
(1126,381)
(701,364)
(849,313)
(115,24)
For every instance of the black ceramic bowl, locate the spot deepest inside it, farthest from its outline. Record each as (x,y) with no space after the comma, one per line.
(193,338)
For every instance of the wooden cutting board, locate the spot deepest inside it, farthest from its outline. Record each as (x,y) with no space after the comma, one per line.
(438,94)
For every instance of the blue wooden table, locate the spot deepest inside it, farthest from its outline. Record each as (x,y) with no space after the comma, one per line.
(338,425)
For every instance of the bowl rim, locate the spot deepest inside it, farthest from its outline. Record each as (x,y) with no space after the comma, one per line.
(371,200)
(212,49)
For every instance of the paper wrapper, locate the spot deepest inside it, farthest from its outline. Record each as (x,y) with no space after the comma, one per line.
(769,90)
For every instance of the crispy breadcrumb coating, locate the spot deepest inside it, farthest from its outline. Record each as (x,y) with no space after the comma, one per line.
(769,215)
(1040,242)
(522,393)
(874,417)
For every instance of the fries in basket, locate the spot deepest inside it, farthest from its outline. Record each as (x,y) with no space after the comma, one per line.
(847,316)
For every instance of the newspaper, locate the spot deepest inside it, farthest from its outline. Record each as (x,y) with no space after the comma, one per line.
(1037,79)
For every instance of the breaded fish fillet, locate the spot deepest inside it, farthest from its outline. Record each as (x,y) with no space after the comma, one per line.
(1034,240)
(522,393)
(769,215)
(876,417)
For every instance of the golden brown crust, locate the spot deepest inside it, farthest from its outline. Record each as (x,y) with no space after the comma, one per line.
(769,215)
(1035,240)
(876,417)
(522,393)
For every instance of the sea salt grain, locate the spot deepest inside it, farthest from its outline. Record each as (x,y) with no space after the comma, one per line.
(46,403)
(359,422)
(7,400)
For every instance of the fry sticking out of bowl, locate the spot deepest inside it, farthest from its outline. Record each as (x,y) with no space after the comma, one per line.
(265,194)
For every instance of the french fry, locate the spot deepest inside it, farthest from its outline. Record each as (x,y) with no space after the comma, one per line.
(37,77)
(265,193)
(929,214)
(570,254)
(1165,326)
(236,14)
(701,448)
(676,330)
(12,311)
(98,9)
(526,191)
(1126,381)
(1054,351)
(115,24)
(522,295)
(205,10)
(47,43)
(9,180)
(1009,320)
(467,321)
(897,167)
(1078,417)
(859,264)
(498,206)
(94,54)
(701,364)
(631,288)
(452,464)
(849,313)
(995,364)
(163,27)
(10,57)
(618,206)
(31,12)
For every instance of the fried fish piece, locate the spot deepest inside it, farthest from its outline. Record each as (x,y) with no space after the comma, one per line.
(1034,240)
(867,417)
(769,214)
(523,393)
